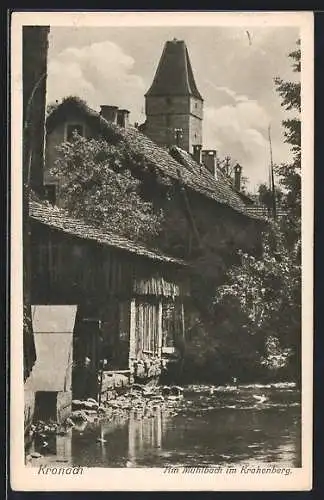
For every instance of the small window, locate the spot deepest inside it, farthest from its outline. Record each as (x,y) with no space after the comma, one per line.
(72,128)
(168,100)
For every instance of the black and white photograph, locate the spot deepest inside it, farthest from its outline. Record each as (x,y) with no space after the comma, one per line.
(162,208)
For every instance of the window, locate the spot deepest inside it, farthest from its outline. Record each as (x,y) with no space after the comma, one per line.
(72,128)
(168,100)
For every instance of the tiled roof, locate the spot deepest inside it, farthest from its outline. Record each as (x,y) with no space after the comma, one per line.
(219,188)
(174,75)
(261,211)
(57,218)
(193,176)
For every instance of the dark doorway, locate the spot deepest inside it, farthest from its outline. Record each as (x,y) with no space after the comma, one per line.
(45,405)
(87,354)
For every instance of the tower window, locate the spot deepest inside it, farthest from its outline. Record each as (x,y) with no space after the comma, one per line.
(168,100)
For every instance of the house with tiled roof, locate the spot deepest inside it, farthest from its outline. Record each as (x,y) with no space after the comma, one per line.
(128,300)
(171,178)
(75,115)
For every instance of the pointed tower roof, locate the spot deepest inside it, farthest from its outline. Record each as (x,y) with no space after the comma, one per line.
(174,75)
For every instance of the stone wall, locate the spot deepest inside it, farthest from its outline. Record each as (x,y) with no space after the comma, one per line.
(29,407)
(64,405)
(164,115)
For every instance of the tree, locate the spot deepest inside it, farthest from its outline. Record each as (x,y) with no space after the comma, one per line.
(289,173)
(267,291)
(266,198)
(52,106)
(96,185)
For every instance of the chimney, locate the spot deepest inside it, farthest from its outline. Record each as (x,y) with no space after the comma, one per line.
(197,153)
(209,159)
(109,113)
(123,118)
(237,177)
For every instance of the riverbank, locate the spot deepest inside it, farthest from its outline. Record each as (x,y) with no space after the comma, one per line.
(206,425)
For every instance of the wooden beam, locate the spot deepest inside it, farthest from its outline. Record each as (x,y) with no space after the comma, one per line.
(183,321)
(132,333)
(159,327)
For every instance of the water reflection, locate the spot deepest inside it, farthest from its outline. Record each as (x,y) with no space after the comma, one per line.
(145,435)
(56,448)
(209,427)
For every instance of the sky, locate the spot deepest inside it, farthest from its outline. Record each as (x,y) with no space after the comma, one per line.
(233,69)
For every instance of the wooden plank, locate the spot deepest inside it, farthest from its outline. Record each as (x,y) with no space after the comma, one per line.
(132,332)
(159,328)
(113,372)
(182,321)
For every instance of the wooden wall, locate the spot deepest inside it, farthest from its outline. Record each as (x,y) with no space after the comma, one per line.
(70,269)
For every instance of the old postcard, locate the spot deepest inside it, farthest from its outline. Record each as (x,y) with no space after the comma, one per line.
(161,251)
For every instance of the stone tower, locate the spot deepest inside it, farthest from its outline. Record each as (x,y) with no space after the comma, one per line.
(173,104)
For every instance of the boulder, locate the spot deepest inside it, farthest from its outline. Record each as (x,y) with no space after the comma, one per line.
(90,412)
(158,397)
(176,390)
(137,387)
(78,415)
(89,405)
(76,404)
(91,400)
(165,390)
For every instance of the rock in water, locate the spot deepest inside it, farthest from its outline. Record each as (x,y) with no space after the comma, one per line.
(91,400)
(260,399)
(76,404)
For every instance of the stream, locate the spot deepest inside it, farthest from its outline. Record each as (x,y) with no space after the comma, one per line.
(210,425)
